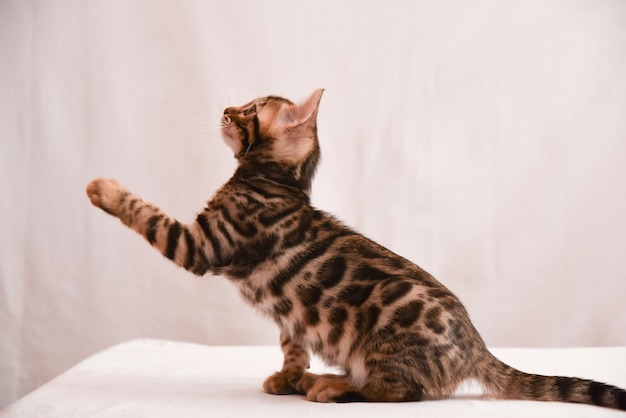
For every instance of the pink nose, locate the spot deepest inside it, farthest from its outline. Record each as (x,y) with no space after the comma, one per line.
(226,120)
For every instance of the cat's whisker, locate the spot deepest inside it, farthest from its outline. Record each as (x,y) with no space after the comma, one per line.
(207,129)
(219,109)
(202,121)
(208,125)
(227,96)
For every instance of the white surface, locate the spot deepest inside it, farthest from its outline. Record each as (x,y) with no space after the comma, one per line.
(165,379)
(484,140)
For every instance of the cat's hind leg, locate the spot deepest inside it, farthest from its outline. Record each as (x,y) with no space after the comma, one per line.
(335,388)
(286,383)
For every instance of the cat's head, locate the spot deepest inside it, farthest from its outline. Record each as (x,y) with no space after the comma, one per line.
(273,129)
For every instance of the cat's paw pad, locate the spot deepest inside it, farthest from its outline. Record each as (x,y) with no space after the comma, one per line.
(279,384)
(105,193)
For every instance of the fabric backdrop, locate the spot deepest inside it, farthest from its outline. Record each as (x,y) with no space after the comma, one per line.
(485,140)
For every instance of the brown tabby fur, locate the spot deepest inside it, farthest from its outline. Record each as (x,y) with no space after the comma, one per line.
(396,332)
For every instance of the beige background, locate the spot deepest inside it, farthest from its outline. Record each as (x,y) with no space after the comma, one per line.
(484,140)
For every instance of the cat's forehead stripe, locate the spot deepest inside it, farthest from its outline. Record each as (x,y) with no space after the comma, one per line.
(276,98)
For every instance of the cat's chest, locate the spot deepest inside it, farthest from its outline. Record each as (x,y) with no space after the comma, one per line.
(270,286)
(310,325)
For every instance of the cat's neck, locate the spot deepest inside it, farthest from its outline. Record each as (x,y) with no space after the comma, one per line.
(272,172)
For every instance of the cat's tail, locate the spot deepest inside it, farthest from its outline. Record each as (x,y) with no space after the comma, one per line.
(502,381)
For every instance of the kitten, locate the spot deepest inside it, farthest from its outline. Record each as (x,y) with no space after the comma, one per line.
(396,332)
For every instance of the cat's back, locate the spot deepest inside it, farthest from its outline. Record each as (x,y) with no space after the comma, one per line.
(271,215)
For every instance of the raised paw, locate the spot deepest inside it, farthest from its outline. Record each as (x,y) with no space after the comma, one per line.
(106,194)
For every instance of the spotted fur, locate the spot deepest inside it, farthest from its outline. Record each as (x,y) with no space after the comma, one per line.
(396,332)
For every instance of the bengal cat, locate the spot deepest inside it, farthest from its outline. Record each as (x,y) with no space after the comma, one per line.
(395,332)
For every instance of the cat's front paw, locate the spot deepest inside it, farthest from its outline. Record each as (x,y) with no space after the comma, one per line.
(290,382)
(331,388)
(106,194)
(280,383)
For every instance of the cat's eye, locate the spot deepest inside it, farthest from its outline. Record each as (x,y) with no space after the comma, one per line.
(249,111)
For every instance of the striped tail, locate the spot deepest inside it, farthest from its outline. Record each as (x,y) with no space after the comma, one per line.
(504,382)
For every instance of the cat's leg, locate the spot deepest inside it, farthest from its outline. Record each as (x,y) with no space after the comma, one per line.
(383,380)
(335,388)
(380,386)
(293,377)
(183,244)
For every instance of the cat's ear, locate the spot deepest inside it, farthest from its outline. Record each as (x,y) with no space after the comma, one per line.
(304,113)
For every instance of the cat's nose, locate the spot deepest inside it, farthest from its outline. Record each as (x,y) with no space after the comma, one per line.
(227,111)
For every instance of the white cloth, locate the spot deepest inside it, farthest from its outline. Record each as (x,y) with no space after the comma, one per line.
(482,139)
(150,378)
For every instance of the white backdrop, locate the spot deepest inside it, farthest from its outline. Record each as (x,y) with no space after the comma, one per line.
(484,140)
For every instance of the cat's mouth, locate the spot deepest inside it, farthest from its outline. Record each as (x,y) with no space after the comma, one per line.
(227,126)
(226,121)
(229,134)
